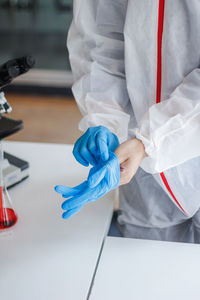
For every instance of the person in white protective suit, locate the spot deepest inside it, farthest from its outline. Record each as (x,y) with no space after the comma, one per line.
(136,70)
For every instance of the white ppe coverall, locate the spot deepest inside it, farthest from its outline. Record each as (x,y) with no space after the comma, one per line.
(136,70)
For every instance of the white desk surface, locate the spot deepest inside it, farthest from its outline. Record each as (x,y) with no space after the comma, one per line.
(133,269)
(45,257)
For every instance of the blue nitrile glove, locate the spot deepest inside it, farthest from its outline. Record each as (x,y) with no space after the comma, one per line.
(101,179)
(94,145)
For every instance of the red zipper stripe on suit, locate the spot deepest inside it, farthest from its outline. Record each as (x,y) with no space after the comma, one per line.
(159,49)
(159,80)
(170,191)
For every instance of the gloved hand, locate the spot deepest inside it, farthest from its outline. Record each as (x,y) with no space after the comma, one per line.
(94,145)
(101,179)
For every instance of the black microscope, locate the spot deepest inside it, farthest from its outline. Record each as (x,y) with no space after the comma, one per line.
(14,169)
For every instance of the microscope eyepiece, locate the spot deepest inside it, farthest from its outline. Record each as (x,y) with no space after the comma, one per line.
(13,71)
(15,67)
(25,63)
(29,61)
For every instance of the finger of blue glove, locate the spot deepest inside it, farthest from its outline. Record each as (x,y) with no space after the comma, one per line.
(77,155)
(110,172)
(96,175)
(92,147)
(81,198)
(113,165)
(86,197)
(70,191)
(102,145)
(86,154)
(69,213)
(113,142)
(61,189)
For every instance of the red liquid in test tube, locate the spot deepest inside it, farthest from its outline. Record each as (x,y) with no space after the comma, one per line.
(8,217)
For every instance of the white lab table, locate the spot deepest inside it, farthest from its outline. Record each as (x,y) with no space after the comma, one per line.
(45,257)
(134,269)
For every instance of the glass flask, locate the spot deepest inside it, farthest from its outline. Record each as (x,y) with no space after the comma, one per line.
(8,217)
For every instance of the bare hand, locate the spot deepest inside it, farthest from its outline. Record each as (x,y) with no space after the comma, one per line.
(130,154)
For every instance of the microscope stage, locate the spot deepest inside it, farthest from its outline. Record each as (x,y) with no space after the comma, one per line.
(9,126)
(14,169)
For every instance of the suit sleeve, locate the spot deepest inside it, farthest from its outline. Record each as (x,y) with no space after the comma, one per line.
(170,130)
(96,51)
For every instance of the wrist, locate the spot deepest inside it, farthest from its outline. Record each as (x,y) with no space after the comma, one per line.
(141,148)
